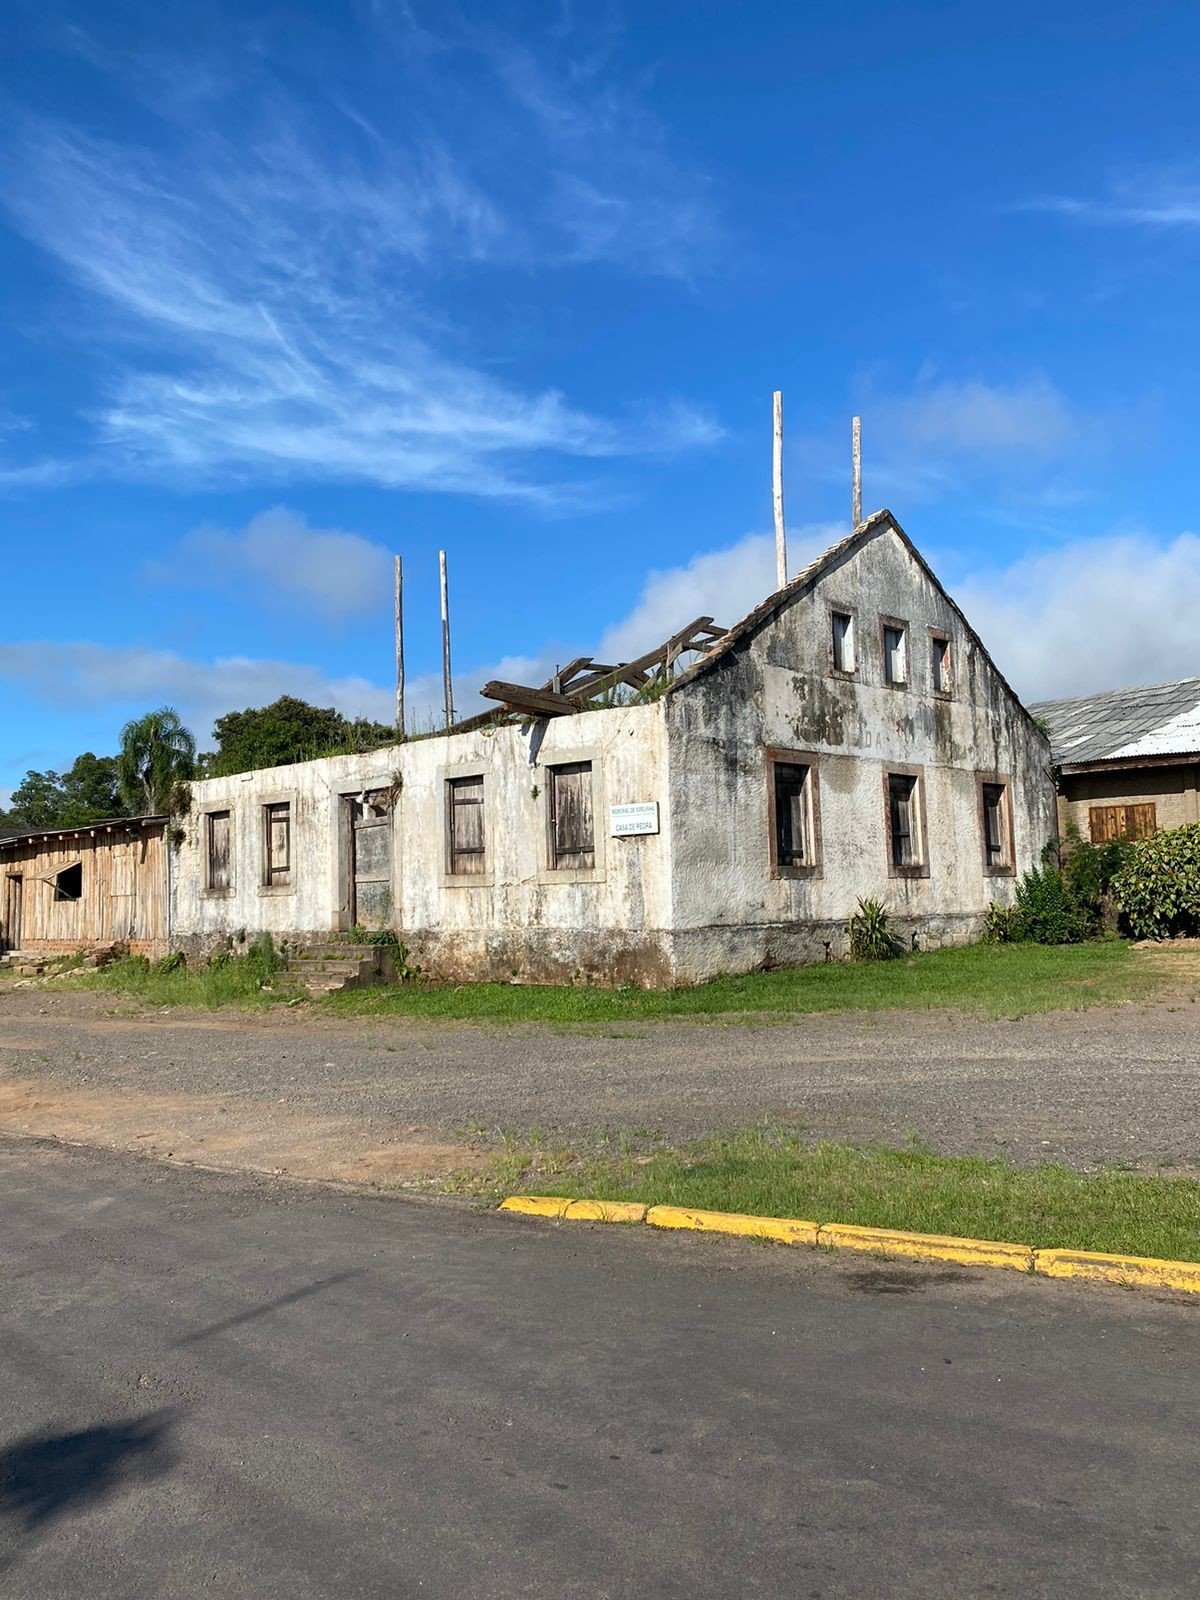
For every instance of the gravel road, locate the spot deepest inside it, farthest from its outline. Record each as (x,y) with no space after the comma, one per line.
(1083,1087)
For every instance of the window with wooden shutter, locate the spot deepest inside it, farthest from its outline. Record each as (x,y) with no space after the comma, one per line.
(792,847)
(841,624)
(1106,823)
(941,664)
(464,825)
(997,851)
(572,836)
(905,824)
(277,844)
(896,653)
(219,875)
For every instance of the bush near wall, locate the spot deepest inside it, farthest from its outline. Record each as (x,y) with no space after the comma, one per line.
(1158,888)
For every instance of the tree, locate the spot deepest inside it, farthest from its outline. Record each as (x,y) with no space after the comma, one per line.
(86,792)
(288,730)
(157,754)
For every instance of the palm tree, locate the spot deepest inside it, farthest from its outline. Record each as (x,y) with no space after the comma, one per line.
(157,753)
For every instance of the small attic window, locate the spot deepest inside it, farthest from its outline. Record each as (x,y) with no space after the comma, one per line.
(68,884)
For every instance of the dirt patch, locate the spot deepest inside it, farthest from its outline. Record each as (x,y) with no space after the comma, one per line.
(243,1135)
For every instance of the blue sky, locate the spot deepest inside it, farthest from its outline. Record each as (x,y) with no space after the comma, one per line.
(291,288)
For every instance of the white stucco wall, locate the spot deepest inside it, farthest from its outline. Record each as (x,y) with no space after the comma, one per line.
(521,918)
(730,911)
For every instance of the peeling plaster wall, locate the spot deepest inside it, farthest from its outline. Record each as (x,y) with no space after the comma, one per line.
(520,919)
(776,689)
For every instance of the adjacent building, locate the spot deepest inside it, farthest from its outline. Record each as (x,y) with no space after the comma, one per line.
(1127,763)
(66,889)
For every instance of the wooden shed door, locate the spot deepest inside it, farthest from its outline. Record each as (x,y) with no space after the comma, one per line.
(10,934)
(371,860)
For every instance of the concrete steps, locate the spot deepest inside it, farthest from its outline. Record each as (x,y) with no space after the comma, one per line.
(336,964)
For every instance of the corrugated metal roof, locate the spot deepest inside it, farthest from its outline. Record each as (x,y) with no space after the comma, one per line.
(1162,719)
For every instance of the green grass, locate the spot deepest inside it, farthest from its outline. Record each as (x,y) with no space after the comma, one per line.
(997,980)
(237,982)
(769,1172)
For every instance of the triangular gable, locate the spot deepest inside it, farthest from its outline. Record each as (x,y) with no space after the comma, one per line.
(879,522)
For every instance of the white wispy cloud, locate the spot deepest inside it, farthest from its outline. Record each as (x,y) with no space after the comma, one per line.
(723,584)
(273,306)
(1094,614)
(278,557)
(1145,198)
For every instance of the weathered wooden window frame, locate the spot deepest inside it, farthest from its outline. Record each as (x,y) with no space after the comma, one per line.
(919,868)
(838,608)
(895,623)
(447,776)
(569,757)
(264,803)
(216,808)
(939,636)
(999,780)
(777,756)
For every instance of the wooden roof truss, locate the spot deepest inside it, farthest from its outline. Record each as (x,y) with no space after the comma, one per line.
(587,685)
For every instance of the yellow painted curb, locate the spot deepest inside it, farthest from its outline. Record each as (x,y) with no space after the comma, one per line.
(550,1205)
(784,1230)
(1136,1271)
(1133,1271)
(605,1211)
(536,1205)
(928,1246)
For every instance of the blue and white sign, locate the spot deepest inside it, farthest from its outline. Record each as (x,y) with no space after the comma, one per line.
(641,816)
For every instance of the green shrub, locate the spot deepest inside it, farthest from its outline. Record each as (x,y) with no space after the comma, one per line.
(871,936)
(1090,870)
(172,962)
(1047,910)
(1001,923)
(1158,888)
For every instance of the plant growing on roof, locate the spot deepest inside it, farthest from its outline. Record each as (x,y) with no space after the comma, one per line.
(158,755)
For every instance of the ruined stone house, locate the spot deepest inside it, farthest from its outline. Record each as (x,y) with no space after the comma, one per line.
(850,738)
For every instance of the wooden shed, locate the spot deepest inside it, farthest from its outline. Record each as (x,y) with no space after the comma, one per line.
(67,889)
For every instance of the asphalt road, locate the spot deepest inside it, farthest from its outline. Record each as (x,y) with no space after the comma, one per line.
(229,1387)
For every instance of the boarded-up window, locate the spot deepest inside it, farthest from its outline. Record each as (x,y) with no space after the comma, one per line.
(572,839)
(895,653)
(842,624)
(277,844)
(903,821)
(996,849)
(219,876)
(1107,823)
(941,666)
(792,844)
(464,823)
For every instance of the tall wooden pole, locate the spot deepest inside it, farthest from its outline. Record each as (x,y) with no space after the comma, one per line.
(399,649)
(781,573)
(855,472)
(446,679)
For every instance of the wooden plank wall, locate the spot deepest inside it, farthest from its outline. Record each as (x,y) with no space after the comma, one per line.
(124,889)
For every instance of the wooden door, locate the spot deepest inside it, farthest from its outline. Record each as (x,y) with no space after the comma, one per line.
(371,860)
(10,935)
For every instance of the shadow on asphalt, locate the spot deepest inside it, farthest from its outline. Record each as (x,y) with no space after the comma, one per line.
(266,1307)
(46,1475)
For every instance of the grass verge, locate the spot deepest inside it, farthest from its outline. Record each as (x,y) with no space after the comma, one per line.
(771,1172)
(996,980)
(236,981)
